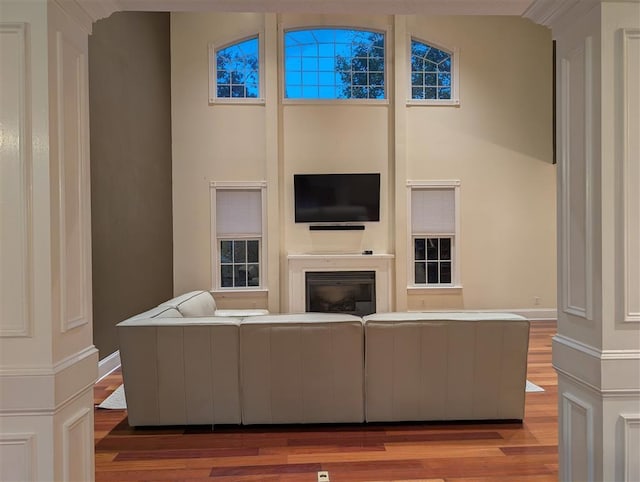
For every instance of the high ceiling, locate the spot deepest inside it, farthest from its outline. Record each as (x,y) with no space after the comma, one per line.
(93,10)
(435,7)
(544,12)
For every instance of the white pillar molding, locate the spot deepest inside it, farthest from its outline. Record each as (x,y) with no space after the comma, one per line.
(596,352)
(399,176)
(48,363)
(273,166)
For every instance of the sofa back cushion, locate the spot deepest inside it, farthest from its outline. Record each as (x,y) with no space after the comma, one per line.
(161,311)
(193,304)
(445,366)
(302,368)
(180,371)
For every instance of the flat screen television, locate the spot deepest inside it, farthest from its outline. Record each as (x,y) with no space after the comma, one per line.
(336,198)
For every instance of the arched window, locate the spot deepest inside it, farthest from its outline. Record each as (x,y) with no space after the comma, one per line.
(431,72)
(334,63)
(237,70)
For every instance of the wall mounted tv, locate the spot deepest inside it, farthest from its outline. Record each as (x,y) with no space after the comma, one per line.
(336,198)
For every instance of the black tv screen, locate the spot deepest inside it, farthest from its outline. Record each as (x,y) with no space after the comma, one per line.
(336,198)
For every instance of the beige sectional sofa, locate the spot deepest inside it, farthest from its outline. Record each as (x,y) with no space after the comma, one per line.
(183,364)
(445,366)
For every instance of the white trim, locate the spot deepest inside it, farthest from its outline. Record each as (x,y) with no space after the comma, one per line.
(586,311)
(27,389)
(350,7)
(631,259)
(433,103)
(455,251)
(350,102)
(299,264)
(80,426)
(434,183)
(434,289)
(606,373)
(108,364)
(588,150)
(238,184)
(570,403)
(69,321)
(213,72)
(630,421)
(596,352)
(558,14)
(215,271)
(455,75)
(27,443)
(22,327)
(240,292)
(608,394)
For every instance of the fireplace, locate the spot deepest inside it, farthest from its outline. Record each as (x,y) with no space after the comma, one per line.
(352,292)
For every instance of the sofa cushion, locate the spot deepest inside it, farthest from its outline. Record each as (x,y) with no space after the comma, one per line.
(302,368)
(445,366)
(193,304)
(181,371)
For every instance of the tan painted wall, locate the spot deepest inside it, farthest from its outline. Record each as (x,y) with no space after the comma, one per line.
(211,142)
(130,116)
(497,143)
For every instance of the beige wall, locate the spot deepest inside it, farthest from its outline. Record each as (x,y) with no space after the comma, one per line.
(497,143)
(210,143)
(129,69)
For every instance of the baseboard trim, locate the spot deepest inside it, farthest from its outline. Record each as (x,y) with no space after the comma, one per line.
(536,314)
(108,364)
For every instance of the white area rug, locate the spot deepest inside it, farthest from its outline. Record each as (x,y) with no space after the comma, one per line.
(532,387)
(117,400)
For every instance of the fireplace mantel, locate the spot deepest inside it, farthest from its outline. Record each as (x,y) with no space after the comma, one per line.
(299,264)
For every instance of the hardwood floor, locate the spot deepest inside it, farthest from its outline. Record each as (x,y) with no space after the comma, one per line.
(451,452)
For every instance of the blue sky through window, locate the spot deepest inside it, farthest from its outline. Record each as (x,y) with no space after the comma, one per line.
(334,63)
(430,72)
(237,70)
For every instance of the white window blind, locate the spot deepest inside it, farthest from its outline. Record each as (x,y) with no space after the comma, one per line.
(433,211)
(238,211)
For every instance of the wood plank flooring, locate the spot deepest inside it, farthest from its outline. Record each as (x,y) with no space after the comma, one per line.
(427,452)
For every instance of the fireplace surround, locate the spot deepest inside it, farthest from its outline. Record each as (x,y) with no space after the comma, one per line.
(301,264)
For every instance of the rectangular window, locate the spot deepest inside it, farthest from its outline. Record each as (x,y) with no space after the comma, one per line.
(334,63)
(239,263)
(237,226)
(432,263)
(434,227)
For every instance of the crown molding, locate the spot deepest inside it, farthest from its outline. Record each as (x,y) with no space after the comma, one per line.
(552,12)
(97,9)
(85,12)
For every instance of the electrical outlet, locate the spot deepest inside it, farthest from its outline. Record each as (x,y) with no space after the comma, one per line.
(323,476)
(536,300)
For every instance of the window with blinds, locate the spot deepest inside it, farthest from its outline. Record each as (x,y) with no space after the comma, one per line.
(238,228)
(433,233)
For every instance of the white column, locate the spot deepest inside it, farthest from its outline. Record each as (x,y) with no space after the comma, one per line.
(597,349)
(398,118)
(273,168)
(47,360)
